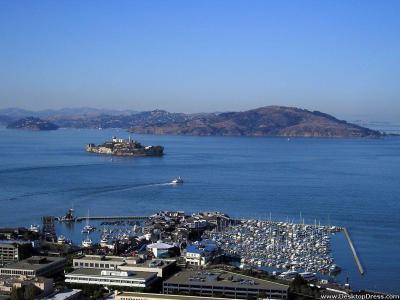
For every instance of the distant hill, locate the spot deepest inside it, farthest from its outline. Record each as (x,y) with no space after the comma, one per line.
(264,121)
(18,113)
(32,123)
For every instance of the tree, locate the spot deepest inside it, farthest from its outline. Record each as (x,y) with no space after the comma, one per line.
(30,292)
(17,294)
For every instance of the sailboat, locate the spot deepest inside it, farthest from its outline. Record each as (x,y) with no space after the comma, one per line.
(88,228)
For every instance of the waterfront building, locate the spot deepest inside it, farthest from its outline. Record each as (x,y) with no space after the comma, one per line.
(217,283)
(8,283)
(200,253)
(160,249)
(35,266)
(133,264)
(112,278)
(14,250)
(13,233)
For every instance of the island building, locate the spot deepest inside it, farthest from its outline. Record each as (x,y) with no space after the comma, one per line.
(217,283)
(35,266)
(130,264)
(149,296)
(200,253)
(14,250)
(122,147)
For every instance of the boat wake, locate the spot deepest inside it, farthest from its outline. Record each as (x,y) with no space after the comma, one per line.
(88,191)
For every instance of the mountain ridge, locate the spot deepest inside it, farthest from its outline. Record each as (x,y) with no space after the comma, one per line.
(263,121)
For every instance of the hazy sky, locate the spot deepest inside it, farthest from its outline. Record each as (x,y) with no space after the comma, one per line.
(341,56)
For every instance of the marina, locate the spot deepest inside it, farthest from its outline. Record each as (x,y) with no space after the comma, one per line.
(280,245)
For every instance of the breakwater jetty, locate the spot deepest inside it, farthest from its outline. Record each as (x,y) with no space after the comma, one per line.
(113,218)
(353,250)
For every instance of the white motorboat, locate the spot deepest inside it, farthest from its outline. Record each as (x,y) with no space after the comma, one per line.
(104,242)
(61,240)
(308,276)
(178,180)
(88,228)
(87,243)
(34,228)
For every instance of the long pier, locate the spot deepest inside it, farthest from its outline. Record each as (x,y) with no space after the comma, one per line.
(114,218)
(353,250)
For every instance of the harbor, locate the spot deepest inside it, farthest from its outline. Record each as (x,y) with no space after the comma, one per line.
(286,249)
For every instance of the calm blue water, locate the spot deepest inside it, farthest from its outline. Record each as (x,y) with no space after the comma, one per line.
(352,183)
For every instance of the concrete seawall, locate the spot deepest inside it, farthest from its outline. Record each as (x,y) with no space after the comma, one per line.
(353,250)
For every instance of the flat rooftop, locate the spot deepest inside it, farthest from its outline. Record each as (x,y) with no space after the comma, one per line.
(64,294)
(97,272)
(125,261)
(11,242)
(34,263)
(223,278)
(165,296)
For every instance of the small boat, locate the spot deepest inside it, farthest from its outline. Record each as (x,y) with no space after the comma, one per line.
(308,276)
(334,269)
(34,228)
(88,228)
(288,275)
(87,243)
(103,242)
(61,240)
(178,180)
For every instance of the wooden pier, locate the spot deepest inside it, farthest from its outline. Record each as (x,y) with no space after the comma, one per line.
(112,218)
(353,250)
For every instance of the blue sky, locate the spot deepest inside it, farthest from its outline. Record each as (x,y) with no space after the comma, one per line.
(341,57)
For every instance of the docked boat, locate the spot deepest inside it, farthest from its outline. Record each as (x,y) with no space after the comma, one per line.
(178,180)
(88,229)
(87,243)
(104,242)
(61,240)
(289,275)
(334,269)
(34,228)
(308,276)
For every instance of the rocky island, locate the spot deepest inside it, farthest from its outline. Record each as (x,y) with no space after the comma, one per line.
(32,123)
(122,147)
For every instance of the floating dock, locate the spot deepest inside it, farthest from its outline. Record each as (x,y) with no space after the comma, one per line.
(114,218)
(353,250)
